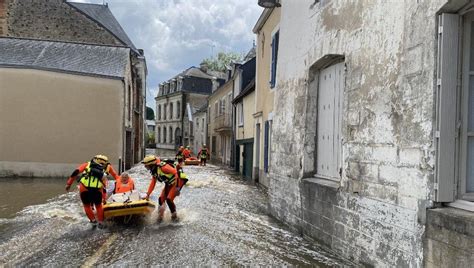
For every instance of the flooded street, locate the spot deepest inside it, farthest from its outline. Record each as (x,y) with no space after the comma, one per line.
(222,221)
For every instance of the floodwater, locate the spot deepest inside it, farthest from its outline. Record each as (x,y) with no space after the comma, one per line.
(222,221)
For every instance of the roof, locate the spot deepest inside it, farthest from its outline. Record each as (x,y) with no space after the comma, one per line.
(251,54)
(201,109)
(248,71)
(66,57)
(250,87)
(103,16)
(262,19)
(194,71)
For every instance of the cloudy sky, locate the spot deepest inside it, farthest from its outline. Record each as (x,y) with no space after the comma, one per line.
(177,34)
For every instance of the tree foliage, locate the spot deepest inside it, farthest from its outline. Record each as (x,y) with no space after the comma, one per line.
(223,59)
(150,114)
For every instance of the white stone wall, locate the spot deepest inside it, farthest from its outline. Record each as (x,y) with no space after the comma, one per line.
(375,214)
(174,122)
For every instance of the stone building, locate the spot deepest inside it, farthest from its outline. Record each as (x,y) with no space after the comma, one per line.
(266,29)
(200,129)
(176,101)
(371,135)
(95,27)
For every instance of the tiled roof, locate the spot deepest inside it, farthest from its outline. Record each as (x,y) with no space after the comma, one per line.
(68,57)
(102,15)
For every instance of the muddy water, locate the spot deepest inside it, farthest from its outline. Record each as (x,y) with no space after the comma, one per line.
(223,221)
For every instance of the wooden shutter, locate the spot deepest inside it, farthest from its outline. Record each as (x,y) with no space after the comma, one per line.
(326,123)
(445,135)
(275,40)
(265,146)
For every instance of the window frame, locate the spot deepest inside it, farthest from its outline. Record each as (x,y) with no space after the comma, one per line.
(240,106)
(463,105)
(274,56)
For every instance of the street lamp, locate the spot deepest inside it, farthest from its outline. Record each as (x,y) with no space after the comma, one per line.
(269,3)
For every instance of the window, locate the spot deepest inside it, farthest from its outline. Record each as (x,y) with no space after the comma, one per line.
(275,41)
(455,109)
(129,102)
(222,106)
(159,112)
(203,127)
(329,114)
(266,147)
(164,111)
(164,134)
(171,134)
(178,109)
(171,110)
(158,134)
(240,111)
(216,111)
(191,129)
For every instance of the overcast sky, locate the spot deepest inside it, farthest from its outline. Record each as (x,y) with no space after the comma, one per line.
(177,34)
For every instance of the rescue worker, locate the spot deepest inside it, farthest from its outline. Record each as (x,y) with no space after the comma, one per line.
(92,182)
(180,156)
(187,153)
(124,184)
(203,154)
(168,174)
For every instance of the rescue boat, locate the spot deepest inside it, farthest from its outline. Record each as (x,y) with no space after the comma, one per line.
(192,161)
(127,204)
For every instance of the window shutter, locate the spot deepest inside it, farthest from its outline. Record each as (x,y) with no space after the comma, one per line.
(446,106)
(272,71)
(265,147)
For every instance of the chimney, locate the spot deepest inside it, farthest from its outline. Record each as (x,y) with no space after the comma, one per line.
(203,67)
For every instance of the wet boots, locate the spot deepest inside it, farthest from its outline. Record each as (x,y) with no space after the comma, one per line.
(174,216)
(161,213)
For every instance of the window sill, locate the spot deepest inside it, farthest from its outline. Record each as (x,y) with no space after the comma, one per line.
(240,125)
(324,182)
(462,204)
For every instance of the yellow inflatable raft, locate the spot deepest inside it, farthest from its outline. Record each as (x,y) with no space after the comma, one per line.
(192,161)
(126,204)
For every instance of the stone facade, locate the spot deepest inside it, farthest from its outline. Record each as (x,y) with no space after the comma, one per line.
(374,212)
(54,20)
(449,239)
(169,121)
(200,130)
(177,99)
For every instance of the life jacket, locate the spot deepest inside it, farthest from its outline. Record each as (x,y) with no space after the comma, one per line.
(204,153)
(166,178)
(92,176)
(123,188)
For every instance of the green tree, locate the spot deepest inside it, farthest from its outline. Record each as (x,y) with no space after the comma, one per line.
(219,62)
(150,138)
(150,114)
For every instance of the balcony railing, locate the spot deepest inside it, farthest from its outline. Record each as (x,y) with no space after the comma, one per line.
(223,123)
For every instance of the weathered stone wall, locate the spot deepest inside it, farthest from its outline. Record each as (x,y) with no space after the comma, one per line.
(3,17)
(54,20)
(376,213)
(449,239)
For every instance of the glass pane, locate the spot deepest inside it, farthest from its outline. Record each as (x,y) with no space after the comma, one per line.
(470,166)
(471,49)
(470,105)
